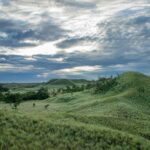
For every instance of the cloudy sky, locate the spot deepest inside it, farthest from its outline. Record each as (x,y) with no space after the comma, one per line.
(73,38)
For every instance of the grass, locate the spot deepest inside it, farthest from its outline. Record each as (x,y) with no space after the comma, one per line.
(118,119)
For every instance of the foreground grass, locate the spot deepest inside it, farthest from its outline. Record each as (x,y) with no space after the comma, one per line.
(29,133)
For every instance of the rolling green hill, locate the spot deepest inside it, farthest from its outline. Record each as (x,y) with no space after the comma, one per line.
(67,82)
(64,82)
(118,119)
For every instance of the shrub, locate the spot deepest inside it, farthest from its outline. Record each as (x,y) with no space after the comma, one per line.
(30,96)
(103,85)
(2,96)
(14,98)
(3,89)
(42,94)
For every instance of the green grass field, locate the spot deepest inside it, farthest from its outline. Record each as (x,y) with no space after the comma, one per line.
(116,120)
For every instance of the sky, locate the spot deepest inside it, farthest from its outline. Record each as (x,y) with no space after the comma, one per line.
(73,38)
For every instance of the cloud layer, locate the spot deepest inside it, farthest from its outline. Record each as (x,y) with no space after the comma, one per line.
(73,38)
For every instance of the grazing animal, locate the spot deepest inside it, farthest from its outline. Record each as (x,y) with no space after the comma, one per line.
(33,104)
(46,106)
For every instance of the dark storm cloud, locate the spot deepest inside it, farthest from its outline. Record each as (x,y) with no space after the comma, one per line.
(49,31)
(141,20)
(17,31)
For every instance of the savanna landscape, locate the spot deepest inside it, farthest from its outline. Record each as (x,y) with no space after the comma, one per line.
(108,113)
(75,75)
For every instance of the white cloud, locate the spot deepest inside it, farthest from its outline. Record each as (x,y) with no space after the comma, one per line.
(5,67)
(77,70)
(3,35)
(71,71)
(59,59)
(43,75)
(30,58)
(44,49)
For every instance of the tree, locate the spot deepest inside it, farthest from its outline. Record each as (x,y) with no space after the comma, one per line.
(42,93)
(30,96)
(2,97)
(3,89)
(13,98)
(105,84)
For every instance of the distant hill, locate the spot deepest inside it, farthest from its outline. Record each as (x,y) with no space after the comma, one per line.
(67,82)
(80,81)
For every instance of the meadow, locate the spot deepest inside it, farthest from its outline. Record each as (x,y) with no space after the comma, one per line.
(117,118)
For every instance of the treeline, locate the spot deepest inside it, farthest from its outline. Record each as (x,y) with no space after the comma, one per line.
(102,85)
(17,98)
(71,89)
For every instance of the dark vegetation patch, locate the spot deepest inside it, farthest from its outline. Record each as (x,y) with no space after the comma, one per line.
(3,89)
(17,98)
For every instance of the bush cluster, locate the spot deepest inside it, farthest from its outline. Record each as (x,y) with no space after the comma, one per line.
(3,89)
(41,94)
(17,98)
(103,85)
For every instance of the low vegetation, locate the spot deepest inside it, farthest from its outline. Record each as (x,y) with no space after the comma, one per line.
(109,113)
(17,98)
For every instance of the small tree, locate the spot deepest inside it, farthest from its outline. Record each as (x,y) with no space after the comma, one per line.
(42,93)
(2,97)
(3,89)
(14,99)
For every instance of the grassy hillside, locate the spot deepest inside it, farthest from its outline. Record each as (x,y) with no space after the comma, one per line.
(118,119)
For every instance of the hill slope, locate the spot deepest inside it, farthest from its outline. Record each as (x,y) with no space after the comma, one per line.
(134,80)
(118,119)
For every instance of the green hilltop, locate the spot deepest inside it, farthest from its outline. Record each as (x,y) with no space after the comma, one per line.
(67,82)
(116,119)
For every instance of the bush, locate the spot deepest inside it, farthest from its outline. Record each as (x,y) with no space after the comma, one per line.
(42,94)
(30,96)
(2,96)
(3,89)
(104,84)
(14,98)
